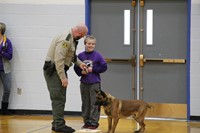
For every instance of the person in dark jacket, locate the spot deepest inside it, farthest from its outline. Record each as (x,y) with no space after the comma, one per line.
(6,54)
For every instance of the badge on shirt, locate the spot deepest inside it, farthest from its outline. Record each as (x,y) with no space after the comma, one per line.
(64,45)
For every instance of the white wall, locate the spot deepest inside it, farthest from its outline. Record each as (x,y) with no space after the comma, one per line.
(195,59)
(31,28)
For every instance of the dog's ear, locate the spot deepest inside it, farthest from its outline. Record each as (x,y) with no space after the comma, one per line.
(103,94)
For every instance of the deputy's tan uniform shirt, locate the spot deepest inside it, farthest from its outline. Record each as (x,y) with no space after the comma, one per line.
(61,52)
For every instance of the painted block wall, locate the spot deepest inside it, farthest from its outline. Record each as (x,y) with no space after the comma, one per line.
(31,28)
(32,24)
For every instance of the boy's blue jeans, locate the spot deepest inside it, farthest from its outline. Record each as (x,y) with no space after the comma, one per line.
(6,81)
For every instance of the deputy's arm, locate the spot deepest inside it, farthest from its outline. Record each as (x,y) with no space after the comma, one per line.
(60,55)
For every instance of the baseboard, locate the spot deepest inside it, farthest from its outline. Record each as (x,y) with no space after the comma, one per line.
(196,118)
(41,112)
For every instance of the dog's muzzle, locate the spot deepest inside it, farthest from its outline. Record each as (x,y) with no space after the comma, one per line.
(101,103)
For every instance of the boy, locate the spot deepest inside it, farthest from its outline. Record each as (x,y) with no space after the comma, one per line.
(90,81)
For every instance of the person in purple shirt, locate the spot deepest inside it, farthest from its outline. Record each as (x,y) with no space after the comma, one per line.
(6,53)
(90,81)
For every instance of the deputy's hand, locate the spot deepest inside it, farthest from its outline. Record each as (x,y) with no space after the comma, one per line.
(83,66)
(64,82)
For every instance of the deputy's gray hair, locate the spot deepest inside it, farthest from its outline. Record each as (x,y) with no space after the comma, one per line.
(89,37)
(2,28)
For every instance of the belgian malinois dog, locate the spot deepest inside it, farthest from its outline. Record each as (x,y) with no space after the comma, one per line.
(115,109)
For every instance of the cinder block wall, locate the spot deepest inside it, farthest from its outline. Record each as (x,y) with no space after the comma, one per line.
(31,27)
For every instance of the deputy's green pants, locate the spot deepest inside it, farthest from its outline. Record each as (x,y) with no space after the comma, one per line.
(58,99)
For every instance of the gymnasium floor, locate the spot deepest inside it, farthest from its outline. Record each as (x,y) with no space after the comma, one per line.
(42,124)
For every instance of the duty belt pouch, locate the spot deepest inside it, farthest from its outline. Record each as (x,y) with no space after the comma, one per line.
(49,67)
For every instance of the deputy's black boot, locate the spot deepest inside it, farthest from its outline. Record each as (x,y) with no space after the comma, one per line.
(4,108)
(65,129)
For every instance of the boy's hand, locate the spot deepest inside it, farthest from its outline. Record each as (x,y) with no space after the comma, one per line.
(84,72)
(89,69)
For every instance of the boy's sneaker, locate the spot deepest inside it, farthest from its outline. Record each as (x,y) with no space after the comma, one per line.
(86,125)
(92,127)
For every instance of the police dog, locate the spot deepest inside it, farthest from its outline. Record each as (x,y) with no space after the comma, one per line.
(115,109)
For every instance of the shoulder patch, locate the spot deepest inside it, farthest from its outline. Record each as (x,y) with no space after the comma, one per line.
(68,37)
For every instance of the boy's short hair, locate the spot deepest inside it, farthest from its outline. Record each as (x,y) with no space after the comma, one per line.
(2,28)
(89,37)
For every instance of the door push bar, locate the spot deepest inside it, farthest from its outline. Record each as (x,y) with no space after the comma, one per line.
(173,61)
(132,60)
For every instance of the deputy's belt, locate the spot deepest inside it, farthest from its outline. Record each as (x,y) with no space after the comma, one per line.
(50,68)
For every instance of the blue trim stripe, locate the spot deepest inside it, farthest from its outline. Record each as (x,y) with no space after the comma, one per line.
(87,14)
(188,59)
